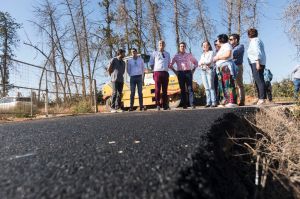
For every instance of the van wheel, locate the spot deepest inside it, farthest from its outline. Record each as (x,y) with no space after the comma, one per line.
(174,101)
(108,104)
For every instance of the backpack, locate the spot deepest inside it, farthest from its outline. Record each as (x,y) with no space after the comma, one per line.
(268,75)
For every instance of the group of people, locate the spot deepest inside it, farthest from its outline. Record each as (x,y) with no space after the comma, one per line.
(221,72)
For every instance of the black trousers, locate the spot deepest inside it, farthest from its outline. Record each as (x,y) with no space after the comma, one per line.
(117,94)
(269,90)
(258,76)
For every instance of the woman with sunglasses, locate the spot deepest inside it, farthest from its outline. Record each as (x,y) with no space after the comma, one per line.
(227,71)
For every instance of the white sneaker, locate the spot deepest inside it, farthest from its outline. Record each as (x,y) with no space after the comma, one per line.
(260,102)
(231,105)
(113,110)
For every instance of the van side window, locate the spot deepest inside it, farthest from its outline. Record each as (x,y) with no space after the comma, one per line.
(23,99)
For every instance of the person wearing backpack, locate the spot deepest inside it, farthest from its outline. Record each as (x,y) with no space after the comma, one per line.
(268,76)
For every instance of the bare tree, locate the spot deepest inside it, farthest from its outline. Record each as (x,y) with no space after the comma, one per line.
(203,23)
(154,19)
(77,44)
(44,13)
(239,15)
(123,22)
(176,22)
(87,50)
(229,8)
(291,19)
(108,32)
(239,10)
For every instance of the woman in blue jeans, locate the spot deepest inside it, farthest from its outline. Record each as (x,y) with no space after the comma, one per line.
(296,81)
(207,74)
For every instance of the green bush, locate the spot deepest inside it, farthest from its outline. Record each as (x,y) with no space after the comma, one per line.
(250,90)
(200,98)
(284,88)
(83,106)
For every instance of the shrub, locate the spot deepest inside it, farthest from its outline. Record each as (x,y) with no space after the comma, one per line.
(250,90)
(277,147)
(83,106)
(284,88)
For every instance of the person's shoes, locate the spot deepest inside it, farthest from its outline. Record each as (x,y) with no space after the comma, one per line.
(223,102)
(255,102)
(221,106)
(113,110)
(241,104)
(167,108)
(207,105)
(213,105)
(184,107)
(231,105)
(143,108)
(158,108)
(260,102)
(269,102)
(130,109)
(193,107)
(120,110)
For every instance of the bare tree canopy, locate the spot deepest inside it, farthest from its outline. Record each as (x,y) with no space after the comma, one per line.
(291,17)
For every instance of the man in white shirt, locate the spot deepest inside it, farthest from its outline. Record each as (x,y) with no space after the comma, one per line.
(159,62)
(135,69)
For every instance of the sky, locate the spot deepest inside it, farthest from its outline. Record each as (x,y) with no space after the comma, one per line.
(281,54)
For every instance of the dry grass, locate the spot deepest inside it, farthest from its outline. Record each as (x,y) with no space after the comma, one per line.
(277,147)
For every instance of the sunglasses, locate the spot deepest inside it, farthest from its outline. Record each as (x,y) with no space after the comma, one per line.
(163,55)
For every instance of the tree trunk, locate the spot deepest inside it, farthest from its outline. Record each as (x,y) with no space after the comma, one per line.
(176,20)
(87,51)
(239,7)
(79,49)
(126,26)
(5,61)
(230,14)
(53,61)
(156,30)
(199,6)
(108,29)
(66,82)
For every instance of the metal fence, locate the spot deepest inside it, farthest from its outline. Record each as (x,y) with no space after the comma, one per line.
(45,91)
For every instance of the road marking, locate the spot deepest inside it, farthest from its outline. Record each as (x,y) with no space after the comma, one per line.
(22,156)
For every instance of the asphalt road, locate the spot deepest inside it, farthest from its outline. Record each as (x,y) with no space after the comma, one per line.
(122,155)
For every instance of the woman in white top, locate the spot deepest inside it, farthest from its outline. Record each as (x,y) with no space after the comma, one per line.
(207,73)
(227,71)
(257,61)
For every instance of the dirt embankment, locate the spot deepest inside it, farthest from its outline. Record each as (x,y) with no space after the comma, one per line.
(228,171)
